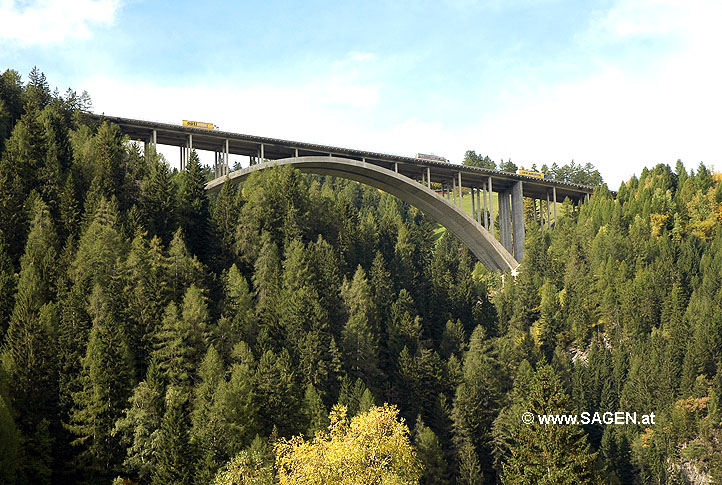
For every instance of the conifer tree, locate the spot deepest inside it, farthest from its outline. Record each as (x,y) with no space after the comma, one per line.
(239,406)
(267,285)
(139,428)
(107,380)
(158,199)
(181,339)
(206,431)
(239,319)
(548,453)
(193,211)
(175,453)
(477,398)
(314,411)
(277,394)
(224,218)
(359,336)
(8,284)
(10,444)
(430,454)
(183,269)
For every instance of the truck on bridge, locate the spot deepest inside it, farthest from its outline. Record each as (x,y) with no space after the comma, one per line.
(200,124)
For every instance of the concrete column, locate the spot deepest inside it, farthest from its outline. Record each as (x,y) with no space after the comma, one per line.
(541,215)
(549,220)
(478,205)
(190,143)
(296,153)
(154,140)
(517,209)
(396,167)
(428,176)
(554,192)
(263,155)
(491,209)
(473,204)
(505,220)
(484,214)
(226,157)
(453,188)
(459,188)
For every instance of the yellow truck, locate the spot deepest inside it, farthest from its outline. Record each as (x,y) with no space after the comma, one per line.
(200,124)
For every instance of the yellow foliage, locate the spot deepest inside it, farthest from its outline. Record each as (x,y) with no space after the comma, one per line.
(373,448)
(657,221)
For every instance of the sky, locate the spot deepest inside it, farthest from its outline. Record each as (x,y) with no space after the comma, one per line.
(620,84)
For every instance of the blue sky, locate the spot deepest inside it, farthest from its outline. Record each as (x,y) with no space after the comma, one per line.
(621,84)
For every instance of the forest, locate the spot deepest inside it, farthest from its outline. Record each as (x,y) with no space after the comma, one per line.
(308,329)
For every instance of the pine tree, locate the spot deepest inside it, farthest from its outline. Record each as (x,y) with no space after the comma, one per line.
(10,444)
(477,398)
(206,432)
(175,453)
(359,336)
(277,394)
(8,284)
(183,268)
(238,322)
(138,430)
(267,284)
(181,339)
(158,199)
(193,211)
(548,453)
(314,411)
(430,454)
(239,405)
(107,380)
(224,218)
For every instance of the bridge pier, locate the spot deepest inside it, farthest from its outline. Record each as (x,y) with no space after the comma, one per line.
(511,220)
(517,209)
(473,204)
(504,220)
(151,141)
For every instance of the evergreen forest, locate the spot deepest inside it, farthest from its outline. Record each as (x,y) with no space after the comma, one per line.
(308,329)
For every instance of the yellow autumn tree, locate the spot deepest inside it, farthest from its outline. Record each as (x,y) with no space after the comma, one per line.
(371,448)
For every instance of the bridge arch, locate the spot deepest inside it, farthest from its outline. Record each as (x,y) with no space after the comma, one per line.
(481,243)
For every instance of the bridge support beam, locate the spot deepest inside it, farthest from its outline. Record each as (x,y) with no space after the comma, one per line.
(485,214)
(473,203)
(517,209)
(460,188)
(505,220)
(491,210)
(554,194)
(549,219)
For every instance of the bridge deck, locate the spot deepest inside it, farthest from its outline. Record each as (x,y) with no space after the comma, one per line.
(274,149)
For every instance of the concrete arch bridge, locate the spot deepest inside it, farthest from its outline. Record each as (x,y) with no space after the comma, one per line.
(408,178)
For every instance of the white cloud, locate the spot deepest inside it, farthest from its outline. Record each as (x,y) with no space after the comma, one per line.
(620,116)
(332,108)
(623,116)
(43,22)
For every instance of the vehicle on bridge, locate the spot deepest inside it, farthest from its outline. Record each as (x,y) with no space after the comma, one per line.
(531,173)
(433,158)
(200,124)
